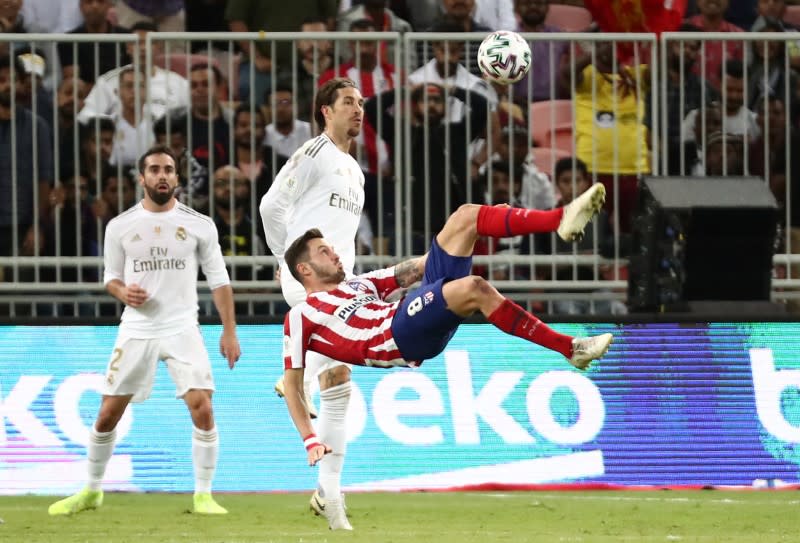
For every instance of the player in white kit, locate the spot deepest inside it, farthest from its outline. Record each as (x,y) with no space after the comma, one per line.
(152,253)
(322,186)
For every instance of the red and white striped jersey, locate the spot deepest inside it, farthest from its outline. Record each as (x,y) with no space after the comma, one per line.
(351,323)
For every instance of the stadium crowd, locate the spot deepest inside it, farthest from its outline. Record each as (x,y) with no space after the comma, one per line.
(83,111)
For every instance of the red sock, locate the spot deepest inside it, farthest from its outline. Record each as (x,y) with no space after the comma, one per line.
(512,319)
(505,222)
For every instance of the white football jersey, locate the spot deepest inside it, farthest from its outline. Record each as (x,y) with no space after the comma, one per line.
(161,253)
(319,187)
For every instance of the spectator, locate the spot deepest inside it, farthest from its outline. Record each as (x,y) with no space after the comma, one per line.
(546,56)
(498,14)
(166,15)
(172,130)
(723,155)
(272,16)
(610,135)
(685,93)
(208,130)
(96,145)
(423,14)
(285,134)
(446,69)
(782,159)
(572,179)
(770,10)
(711,19)
(314,58)
(70,97)
(707,123)
(117,193)
(31,92)
(438,152)
(499,185)
(248,140)
(373,77)
(18,216)
(166,90)
(50,17)
(232,203)
(383,20)
(72,230)
(134,124)
(11,22)
(737,118)
(79,59)
(768,73)
(458,13)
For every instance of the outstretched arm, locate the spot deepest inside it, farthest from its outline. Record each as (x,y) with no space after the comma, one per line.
(293,385)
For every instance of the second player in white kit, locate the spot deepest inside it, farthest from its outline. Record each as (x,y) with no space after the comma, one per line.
(322,186)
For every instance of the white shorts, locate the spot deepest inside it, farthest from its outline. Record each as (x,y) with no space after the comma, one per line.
(132,367)
(294,293)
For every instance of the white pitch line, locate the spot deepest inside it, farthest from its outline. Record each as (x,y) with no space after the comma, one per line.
(724,501)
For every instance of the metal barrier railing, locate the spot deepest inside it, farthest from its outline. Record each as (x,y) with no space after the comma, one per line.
(408,208)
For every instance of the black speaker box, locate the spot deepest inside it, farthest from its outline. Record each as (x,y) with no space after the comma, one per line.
(703,238)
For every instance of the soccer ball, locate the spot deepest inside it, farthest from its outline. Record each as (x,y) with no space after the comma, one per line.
(504,57)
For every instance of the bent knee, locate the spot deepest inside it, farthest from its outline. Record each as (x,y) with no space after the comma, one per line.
(466,216)
(338,375)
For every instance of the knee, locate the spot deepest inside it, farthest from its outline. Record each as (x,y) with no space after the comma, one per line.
(476,289)
(107,419)
(335,376)
(202,410)
(466,217)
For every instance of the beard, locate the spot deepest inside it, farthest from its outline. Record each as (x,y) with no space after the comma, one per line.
(326,276)
(159,198)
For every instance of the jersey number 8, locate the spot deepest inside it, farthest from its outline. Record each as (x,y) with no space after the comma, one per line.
(414,306)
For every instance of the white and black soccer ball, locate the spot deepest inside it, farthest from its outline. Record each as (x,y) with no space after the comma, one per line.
(504,57)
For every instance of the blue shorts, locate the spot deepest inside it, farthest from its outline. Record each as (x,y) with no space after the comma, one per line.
(423,326)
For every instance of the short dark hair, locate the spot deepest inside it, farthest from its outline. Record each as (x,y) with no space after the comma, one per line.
(298,251)
(101,123)
(363,24)
(146,26)
(446,25)
(689,27)
(734,68)
(178,124)
(313,19)
(157,150)
(565,164)
(206,66)
(282,85)
(19,67)
(245,108)
(327,95)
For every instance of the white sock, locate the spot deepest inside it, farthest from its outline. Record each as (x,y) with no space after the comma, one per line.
(205,450)
(98,453)
(331,429)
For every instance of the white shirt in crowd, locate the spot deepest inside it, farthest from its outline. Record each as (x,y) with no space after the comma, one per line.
(496,14)
(130,142)
(287,144)
(167,90)
(462,78)
(740,123)
(161,253)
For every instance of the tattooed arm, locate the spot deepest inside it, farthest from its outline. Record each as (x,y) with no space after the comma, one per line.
(410,271)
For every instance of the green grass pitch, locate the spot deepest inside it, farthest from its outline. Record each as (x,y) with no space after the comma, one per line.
(462,517)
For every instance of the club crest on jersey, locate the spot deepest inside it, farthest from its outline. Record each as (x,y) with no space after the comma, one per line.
(157,230)
(180,234)
(358,286)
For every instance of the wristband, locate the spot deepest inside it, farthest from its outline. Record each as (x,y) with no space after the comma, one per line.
(311,441)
